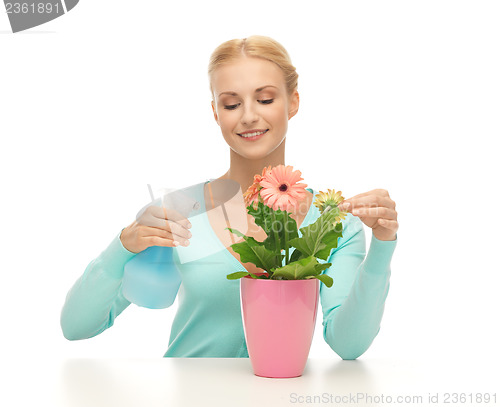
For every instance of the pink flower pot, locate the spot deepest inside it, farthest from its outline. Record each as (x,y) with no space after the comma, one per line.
(279,317)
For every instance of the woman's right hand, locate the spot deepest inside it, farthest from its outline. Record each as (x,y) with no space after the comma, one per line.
(156,228)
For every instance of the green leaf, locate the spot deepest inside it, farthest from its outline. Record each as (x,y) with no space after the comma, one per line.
(262,216)
(238,274)
(320,237)
(330,240)
(236,232)
(296,255)
(253,251)
(322,266)
(283,224)
(325,278)
(300,269)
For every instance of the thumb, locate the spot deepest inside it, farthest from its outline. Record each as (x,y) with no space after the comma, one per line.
(345,205)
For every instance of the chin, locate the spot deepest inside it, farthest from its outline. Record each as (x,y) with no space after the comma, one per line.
(256,154)
(256,150)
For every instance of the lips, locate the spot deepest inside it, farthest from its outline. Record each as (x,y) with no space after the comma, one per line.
(253,134)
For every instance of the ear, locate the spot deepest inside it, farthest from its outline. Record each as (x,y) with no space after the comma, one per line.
(216,117)
(294,102)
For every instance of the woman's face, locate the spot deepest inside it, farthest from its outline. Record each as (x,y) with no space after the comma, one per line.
(250,95)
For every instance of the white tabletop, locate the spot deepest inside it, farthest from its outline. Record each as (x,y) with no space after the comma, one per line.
(231,382)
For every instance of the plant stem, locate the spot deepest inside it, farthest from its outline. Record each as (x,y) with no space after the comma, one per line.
(285,234)
(276,238)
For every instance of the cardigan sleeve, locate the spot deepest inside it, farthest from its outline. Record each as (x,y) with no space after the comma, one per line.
(95,300)
(354,305)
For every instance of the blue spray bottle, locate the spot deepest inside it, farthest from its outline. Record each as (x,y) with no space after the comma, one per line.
(151,278)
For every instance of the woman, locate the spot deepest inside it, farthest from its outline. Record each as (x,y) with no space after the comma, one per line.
(254,91)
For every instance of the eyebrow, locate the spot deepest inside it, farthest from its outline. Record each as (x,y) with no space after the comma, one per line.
(256,90)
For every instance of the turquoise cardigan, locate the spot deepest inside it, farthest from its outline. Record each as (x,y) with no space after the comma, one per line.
(208,321)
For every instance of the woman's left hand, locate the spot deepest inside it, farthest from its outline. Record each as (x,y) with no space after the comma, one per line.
(376,210)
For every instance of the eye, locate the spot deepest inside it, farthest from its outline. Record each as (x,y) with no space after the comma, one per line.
(231,107)
(266,102)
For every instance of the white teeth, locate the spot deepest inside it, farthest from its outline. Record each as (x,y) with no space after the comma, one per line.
(252,134)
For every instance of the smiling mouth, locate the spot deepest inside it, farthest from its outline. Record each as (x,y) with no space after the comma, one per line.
(253,134)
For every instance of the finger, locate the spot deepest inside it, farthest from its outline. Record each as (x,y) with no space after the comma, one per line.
(163,213)
(175,216)
(378,191)
(154,217)
(378,212)
(178,230)
(157,216)
(360,195)
(154,225)
(389,224)
(160,241)
(368,201)
(178,237)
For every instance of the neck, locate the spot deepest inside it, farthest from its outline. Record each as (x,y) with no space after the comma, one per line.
(242,169)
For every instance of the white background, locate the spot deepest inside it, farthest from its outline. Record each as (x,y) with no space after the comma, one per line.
(401,95)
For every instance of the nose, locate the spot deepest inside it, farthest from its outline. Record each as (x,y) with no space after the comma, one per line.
(249,115)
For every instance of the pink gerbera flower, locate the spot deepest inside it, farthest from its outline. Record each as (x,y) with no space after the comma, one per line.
(280,189)
(252,193)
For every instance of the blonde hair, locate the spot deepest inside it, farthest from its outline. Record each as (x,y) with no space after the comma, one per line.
(255,46)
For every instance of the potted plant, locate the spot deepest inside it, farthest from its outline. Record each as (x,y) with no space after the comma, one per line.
(279,305)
